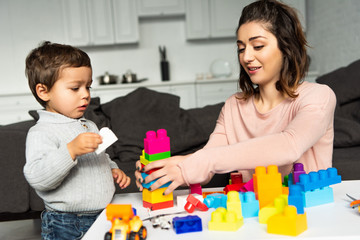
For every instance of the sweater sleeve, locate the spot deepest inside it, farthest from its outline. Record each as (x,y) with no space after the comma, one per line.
(47,162)
(313,118)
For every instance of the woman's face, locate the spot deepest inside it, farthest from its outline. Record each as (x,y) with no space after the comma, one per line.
(259,53)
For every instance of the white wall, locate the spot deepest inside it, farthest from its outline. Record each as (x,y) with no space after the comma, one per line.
(333,32)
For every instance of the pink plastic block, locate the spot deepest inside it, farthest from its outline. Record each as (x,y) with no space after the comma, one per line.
(195,189)
(156,142)
(248,187)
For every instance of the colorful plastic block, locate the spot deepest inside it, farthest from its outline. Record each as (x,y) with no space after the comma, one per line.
(223,220)
(156,142)
(187,224)
(233,187)
(151,171)
(318,197)
(233,203)
(267,184)
(147,185)
(157,156)
(215,200)
(181,200)
(287,223)
(195,189)
(298,170)
(275,208)
(236,178)
(156,196)
(319,179)
(248,187)
(249,204)
(157,206)
(205,194)
(192,203)
(143,160)
(296,198)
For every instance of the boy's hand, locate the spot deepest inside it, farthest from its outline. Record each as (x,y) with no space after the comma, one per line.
(120,178)
(84,143)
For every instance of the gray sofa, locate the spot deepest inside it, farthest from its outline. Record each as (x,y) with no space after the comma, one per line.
(142,110)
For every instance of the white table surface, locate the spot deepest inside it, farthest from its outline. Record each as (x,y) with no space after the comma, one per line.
(335,220)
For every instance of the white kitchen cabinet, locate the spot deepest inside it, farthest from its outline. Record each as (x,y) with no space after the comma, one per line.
(213,92)
(206,19)
(151,8)
(186,92)
(100,22)
(213,18)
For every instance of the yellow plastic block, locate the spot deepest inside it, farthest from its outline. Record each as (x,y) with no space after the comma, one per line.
(223,220)
(233,203)
(267,184)
(287,223)
(275,208)
(156,196)
(143,160)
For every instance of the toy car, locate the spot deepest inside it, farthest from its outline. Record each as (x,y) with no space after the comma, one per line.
(125,225)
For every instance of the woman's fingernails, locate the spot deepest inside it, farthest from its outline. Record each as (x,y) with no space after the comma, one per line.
(150,189)
(138,168)
(140,180)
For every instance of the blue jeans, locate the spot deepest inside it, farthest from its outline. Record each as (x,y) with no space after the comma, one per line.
(69,226)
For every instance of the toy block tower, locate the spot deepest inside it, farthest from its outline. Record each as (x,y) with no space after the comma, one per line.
(267,184)
(156,147)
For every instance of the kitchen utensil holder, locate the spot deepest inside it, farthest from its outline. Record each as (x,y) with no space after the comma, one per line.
(165,72)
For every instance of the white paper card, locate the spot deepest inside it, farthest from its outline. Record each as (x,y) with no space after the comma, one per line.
(108,138)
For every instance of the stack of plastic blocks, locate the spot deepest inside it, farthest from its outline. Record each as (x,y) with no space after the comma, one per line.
(229,219)
(156,147)
(267,184)
(315,186)
(187,224)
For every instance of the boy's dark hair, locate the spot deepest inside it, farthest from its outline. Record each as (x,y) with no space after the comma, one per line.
(43,64)
(282,21)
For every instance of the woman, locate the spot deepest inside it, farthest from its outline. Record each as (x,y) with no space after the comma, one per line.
(277,119)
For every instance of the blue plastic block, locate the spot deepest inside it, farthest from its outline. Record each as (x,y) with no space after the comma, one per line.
(147,185)
(249,204)
(215,200)
(187,224)
(318,197)
(296,198)
(320,179)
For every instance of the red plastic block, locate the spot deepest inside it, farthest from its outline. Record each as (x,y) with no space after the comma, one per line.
(195,189)
(192,203)
(236,178)
(157,206)
(156,142)
(267,184)
(233,187)
(151,171)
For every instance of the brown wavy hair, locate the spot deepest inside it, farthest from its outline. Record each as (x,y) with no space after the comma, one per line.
(282,21)
(43,64)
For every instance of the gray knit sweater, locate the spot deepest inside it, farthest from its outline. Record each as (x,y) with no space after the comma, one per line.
(83,185)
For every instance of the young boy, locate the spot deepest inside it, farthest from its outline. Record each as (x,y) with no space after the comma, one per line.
(75,183)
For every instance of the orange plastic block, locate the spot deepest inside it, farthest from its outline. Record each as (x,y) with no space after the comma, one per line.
(287,223)
(156,196)
(267,184)
(275,208)
(157,206)
(223,220)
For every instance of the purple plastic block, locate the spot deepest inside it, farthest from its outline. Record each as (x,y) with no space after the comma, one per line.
(320,179)
(215,200)
(156,142)
(249,204)
(298,170)
(296,198)
(187,224)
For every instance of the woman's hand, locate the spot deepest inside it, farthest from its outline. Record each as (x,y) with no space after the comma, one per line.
(168,172)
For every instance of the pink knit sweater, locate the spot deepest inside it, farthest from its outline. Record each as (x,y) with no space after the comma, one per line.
(299,130)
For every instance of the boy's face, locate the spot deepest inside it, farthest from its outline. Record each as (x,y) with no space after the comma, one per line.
(70,94)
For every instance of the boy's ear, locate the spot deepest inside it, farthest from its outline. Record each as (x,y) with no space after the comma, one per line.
(42,92)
